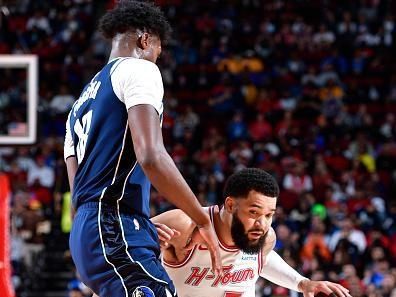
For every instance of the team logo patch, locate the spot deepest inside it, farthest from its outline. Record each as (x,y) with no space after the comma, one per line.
(143,291)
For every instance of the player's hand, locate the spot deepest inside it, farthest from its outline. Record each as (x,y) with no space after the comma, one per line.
(165,234)
(209,236)
(311,288)
(193,240)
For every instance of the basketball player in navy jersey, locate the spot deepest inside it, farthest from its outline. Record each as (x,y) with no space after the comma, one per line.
(114,151)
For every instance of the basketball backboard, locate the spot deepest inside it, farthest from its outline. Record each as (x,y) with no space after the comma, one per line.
(18,99)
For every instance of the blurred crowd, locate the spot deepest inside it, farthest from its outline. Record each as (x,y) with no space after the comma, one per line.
(303,89)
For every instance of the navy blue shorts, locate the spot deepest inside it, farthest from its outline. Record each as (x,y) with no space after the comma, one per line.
(117,254)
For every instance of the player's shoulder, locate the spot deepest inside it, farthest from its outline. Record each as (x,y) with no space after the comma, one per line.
(135,65)
(271,236)
(269,243)
(136,71)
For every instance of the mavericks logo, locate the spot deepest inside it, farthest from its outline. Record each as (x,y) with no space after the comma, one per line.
(143,291)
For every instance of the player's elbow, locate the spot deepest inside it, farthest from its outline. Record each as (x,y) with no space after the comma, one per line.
(149,158)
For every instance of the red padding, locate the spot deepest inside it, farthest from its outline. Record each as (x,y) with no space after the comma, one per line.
(6,288)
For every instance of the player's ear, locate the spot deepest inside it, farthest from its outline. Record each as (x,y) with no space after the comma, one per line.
(143,40)
(229,204)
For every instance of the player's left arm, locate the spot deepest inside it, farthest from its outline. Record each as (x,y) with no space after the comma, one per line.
(276,270)
(174,228)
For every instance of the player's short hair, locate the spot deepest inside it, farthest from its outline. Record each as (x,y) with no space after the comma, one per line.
(134,15)
(239,184)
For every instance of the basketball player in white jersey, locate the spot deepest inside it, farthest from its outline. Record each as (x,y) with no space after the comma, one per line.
(243,227)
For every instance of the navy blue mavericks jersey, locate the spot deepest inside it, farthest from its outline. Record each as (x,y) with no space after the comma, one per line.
(100,136)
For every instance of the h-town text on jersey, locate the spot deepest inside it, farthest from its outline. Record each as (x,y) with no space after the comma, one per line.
(198,274)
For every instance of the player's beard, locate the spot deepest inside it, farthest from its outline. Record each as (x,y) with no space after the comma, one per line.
(241,239)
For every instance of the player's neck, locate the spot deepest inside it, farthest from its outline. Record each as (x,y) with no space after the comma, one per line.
(118,53)
(123,45)
(223,227)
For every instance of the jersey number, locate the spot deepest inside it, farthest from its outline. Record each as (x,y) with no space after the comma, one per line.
(233,294)
(82,131)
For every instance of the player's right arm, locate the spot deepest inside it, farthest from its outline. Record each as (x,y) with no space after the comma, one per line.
(70,159)
(69,155)
(159,167)
(276,270)
(164,175)
(138,84)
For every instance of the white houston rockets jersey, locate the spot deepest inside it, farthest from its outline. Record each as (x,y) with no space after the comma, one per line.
(194,278)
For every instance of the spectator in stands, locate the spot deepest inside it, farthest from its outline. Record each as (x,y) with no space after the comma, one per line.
(40,174)
(63,101)
(237,128)
(350,233)
(260,129)
(315,243)
(297,180)
(39,21)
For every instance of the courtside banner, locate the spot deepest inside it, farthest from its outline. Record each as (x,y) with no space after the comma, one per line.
(5,264)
